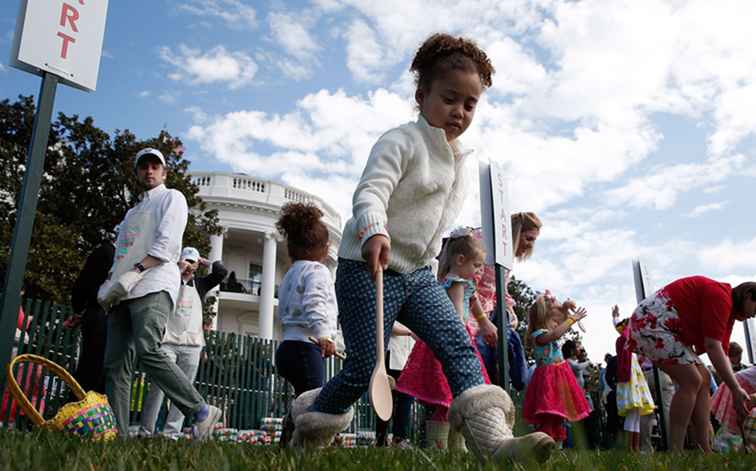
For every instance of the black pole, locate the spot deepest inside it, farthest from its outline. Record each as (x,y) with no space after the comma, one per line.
(657,386)
(502,326)
(749,345)
(27,208)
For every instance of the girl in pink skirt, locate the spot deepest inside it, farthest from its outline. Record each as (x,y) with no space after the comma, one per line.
(553,394)
(423,377)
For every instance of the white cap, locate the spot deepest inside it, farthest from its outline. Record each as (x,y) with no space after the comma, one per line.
(149,151)
(190,253)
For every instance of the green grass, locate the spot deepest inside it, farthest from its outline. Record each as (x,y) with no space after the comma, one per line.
(58,452)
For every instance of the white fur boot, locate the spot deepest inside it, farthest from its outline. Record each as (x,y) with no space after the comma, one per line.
(457,441)
(315,429)
(485,415)
(437,434)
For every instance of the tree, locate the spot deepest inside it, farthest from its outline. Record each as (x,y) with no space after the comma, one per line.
(88,184)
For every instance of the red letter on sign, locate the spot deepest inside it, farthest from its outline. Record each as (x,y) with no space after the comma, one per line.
(71,14)
(64,48)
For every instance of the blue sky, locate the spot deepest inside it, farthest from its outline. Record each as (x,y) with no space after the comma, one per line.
(628,126)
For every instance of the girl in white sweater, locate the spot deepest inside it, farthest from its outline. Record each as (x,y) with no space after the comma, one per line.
(306,302)
(411,191)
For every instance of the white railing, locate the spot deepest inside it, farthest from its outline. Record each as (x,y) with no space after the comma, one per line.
(220,186)
(203,180)
(297,196)
(248,184)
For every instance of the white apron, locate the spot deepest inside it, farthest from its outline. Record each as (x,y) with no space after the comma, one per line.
(135,236)
(184,325)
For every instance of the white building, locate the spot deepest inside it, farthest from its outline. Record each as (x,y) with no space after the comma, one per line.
(252,249)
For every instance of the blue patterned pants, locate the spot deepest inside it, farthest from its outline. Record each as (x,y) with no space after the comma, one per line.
(416,300)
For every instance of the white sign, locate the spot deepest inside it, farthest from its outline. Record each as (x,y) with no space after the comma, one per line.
(62,37)
(495,215)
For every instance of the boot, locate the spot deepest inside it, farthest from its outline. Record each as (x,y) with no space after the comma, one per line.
(315,429)
(436,434)
(457,441)
(485,415)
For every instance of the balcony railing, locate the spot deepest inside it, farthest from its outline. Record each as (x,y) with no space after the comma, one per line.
(245,286)
(219,186)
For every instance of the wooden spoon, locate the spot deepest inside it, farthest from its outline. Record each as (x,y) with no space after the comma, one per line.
(380,385)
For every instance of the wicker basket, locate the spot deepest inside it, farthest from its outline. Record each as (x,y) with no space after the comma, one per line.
(90,418)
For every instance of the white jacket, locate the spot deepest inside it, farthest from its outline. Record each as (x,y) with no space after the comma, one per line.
(307,302)
(411,191)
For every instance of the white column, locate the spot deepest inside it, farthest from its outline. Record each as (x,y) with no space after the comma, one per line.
(216,247)
(216,253)
(268,286)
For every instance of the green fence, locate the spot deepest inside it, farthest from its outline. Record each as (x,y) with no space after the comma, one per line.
(238,374)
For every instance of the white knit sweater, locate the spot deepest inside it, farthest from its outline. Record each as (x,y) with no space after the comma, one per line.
(411,191)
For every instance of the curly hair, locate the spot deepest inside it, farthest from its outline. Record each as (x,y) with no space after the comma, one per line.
(441,53)
(306,235)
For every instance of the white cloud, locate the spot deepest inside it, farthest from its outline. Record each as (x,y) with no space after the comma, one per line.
(706,208)
(730,256)
(144,94)
(167,98)
(734,118)
(364,53)
(292,32)
(217,65)
(233,13)
(662,186)
(198,115)
(323,144)
(516,70)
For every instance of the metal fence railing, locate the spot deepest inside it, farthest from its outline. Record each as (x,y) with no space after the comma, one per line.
(238,374)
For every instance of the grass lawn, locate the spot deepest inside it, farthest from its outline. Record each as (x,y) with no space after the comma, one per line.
(55,451)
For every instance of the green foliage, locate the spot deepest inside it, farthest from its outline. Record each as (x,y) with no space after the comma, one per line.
(88,185)
(48,450)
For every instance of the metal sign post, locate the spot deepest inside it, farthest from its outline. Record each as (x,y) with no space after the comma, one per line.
(497,236)
(60,41)
(641,286)
(27,208)
(749,341)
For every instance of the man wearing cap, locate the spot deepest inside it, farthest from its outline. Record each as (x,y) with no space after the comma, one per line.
(184,336)
(141,292)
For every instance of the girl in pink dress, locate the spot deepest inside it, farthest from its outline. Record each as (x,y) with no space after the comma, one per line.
(553,394)
(423,377)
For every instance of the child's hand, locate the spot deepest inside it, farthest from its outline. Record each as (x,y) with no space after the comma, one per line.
(488,331)
(741,402)
(569,305)
(376,253)
(579,314)
(327,347)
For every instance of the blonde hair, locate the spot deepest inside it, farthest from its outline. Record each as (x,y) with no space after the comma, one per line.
(542,310)
(523,222)
(538,314)
(460,242)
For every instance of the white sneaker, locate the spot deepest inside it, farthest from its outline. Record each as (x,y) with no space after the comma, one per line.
(203,430)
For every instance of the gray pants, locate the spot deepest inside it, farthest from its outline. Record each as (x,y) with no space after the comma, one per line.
(647,421)
(135,332)
(187,357)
